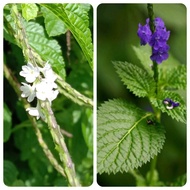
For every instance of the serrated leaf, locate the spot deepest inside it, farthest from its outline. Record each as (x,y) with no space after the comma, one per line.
(125,140)
(10,172)
(177,113)
(173,78)
(47,48)
(76,20)
(54,26)
(137,80)
(29,11)
(7,123)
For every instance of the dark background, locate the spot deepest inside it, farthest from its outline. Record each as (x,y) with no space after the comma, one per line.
(117,26)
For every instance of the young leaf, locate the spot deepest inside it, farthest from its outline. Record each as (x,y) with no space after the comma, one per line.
(54,26)
(178,113)
(125,140)
(135,78)
(76,19)
(143,54)
(47,48)
(29,11)
(173,78)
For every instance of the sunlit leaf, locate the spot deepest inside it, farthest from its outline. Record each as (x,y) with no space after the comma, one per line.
(29,11)
(76,20)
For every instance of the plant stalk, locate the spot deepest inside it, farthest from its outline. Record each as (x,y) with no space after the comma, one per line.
(155,70)
(16,86)
(30,55)
(61,146)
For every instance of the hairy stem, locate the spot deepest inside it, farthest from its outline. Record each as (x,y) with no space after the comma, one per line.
(31,56)
(61,146)
(16,86)
(34,58)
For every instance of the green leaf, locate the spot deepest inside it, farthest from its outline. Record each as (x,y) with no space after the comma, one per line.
(54,26)
(137,80)
(29,11)
(125,140)
(76,20)
(47,48)
(143,54)
(180,181)
(87,129)
(10,172)
(173,78)
(177,113)
(7,123)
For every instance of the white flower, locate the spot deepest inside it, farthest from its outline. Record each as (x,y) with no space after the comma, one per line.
(44,90)
(36,111)
(48,73)
(30,72)
(28,91)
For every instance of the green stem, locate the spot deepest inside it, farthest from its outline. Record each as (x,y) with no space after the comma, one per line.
(152,27)
(61,146)
(30,55)
(16,86)
(155,70)
(152,169)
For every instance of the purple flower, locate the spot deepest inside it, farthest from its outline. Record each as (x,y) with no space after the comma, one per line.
(160,54)
(159,23)
(157,40)
(170,104)
(144,33)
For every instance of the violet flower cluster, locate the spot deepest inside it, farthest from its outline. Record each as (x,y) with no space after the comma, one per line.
(157,40)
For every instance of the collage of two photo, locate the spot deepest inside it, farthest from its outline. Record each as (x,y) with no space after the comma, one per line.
(69,121)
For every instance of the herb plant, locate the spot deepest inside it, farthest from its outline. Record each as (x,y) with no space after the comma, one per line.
(127,135)
(48,90)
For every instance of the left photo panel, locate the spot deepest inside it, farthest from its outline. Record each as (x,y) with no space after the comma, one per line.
(48,95)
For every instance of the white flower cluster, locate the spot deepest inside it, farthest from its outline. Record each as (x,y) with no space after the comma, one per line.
(41,85)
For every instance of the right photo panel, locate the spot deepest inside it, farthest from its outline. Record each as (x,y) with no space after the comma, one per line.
(141,95)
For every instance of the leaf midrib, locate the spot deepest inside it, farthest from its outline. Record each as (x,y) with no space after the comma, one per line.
(127,133)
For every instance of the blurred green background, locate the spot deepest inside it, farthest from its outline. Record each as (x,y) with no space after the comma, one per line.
(117,26)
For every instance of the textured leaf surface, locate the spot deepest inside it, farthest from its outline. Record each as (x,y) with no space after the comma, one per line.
(54,26)
(173,78)
(135,78)
(125,140)
(75,18)
(47,48)
(178,113)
